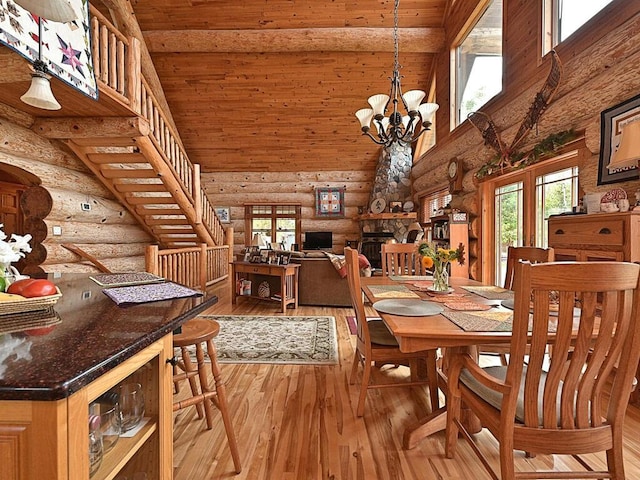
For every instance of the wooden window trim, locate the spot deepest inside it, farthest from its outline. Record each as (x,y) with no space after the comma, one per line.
(249,216)
(573,155)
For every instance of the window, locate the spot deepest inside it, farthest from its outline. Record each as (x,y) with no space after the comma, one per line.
(279,225)
(521,203)
(477,75)
(563,17)
(433,202)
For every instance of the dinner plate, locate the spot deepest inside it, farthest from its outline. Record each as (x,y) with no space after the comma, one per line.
(510,304)
(409,307)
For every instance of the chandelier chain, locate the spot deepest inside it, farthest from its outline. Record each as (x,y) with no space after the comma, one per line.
(396,65)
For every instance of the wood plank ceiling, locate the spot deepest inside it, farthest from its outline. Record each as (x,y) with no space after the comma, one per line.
(272,85)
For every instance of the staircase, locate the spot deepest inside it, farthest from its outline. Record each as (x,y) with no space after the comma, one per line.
(138,157)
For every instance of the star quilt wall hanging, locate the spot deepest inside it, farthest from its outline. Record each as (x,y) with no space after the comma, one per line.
(66,47)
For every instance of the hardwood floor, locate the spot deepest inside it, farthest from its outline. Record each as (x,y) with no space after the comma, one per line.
(298,423)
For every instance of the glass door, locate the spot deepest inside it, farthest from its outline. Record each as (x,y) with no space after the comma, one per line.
(522,204)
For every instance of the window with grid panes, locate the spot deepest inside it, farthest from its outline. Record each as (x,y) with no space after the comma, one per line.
(431,203)
(278,224)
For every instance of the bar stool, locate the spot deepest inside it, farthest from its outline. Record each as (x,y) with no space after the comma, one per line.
(195,332)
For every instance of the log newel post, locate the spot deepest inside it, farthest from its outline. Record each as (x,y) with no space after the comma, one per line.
(151,260)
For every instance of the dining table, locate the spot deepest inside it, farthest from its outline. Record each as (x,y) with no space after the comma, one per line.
(477,308)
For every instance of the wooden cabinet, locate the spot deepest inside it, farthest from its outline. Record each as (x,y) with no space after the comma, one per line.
(596,237)
(50,439)
(447,231)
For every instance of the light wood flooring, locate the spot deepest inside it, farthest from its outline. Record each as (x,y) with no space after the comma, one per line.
(299,423)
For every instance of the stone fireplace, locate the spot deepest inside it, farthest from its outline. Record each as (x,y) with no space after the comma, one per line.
(393,184)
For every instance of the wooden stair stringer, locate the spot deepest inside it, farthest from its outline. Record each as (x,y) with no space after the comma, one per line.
(113,178)
(125,156)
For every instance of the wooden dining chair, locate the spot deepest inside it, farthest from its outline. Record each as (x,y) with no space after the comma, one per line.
(514,255)
(376,345)
(401,259)
(577,404)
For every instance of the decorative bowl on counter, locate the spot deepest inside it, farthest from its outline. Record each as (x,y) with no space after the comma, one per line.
(19,305)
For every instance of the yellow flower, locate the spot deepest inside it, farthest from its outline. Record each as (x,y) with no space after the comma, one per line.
(427,262)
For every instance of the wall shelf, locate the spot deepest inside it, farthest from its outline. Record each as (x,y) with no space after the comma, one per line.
(387,216)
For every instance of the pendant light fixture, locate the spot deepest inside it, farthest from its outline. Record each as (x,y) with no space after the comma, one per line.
(55,10)
(39,94)
(396,127)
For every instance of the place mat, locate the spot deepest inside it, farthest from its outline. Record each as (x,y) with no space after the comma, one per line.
(553,308)
(27,320)
(153,292)
(124,279)
(490,292)
(410,278)
(482,321)
(466,305)
(449,298)
(392,291)
(408,307)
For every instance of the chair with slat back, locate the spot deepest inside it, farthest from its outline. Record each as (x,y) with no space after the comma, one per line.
(401,259)
(576,404)
(376,344)
(514,255)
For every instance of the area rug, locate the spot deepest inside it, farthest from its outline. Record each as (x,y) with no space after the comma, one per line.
(273,339)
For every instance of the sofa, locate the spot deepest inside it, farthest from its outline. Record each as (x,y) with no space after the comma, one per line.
(319,283)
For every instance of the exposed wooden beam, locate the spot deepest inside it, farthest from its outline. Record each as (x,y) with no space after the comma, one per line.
(73,127)
(417,40)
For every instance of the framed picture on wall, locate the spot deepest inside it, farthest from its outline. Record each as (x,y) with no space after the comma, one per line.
(223,214)
(329,202)
(612,120)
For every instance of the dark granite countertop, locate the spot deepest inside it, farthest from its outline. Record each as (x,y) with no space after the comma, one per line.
(94,336)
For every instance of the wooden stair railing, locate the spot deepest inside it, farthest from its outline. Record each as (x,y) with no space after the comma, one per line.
(139,157)
(87,256)
(196,267)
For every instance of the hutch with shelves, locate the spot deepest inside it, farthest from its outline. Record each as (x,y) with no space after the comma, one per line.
(449,231)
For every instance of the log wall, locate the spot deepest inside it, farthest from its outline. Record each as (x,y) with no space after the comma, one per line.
(234,190)
(107,232)
(600,70)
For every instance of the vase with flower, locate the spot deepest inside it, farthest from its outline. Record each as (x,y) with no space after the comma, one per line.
(437,259)
(11,251)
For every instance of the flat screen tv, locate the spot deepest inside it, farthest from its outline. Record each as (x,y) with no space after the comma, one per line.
(318,241)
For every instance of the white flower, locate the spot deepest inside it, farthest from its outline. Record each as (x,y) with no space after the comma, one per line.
(14,249)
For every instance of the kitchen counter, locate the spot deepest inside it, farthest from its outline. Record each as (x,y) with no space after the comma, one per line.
(95,336)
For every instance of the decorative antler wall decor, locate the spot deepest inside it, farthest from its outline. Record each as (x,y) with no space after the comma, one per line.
(509,156)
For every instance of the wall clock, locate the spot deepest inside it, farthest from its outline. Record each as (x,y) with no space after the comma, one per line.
(455,174)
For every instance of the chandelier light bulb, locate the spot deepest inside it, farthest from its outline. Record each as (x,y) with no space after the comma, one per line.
(39,94)
(412,99)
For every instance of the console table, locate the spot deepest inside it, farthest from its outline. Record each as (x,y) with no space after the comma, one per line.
(288,275)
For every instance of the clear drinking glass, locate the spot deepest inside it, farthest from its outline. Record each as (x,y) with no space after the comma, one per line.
(131,401)
(95,444)
(108,410)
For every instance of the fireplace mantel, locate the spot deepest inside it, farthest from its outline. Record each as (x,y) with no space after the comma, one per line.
(387,216)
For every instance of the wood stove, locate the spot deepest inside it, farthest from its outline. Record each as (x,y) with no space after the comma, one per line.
(371,246)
